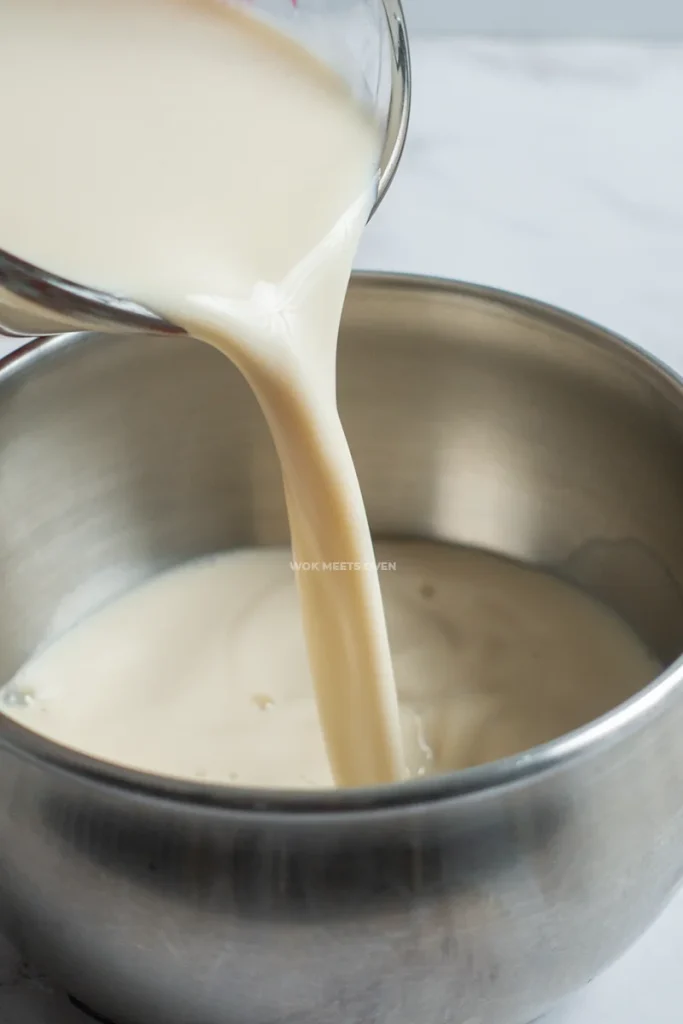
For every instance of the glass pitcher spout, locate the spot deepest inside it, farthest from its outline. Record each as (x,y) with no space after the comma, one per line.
(365,41)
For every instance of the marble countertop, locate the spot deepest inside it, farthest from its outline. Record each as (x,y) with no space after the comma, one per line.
(557,172)
(553,171)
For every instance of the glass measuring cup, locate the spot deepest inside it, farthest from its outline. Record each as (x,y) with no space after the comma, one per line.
(365,41)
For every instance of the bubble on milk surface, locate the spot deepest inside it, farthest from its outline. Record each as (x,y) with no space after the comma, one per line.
(18,697)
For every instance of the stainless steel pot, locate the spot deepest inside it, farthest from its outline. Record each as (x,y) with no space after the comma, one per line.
(481,897)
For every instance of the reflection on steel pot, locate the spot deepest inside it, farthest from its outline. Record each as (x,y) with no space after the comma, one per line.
(483,896)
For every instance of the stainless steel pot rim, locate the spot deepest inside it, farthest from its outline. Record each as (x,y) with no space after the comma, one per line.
(617,725)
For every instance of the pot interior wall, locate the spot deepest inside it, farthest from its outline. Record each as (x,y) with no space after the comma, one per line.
(473,418)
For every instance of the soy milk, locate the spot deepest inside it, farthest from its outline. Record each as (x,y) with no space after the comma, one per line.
(187,157)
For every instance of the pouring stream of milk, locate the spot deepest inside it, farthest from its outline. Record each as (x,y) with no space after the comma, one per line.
(187,157)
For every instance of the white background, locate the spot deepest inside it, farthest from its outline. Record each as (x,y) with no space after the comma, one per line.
(626,19)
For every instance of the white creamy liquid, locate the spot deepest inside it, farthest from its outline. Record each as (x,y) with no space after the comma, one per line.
(203,674)
(180,154)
